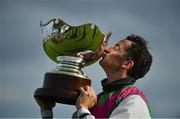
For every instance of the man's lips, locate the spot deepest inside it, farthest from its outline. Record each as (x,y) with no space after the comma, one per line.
(104,54)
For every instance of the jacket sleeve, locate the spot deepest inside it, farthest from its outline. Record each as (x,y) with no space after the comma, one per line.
(130,108)
(83,113)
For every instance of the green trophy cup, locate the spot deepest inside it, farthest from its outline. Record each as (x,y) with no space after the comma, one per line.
(62,42)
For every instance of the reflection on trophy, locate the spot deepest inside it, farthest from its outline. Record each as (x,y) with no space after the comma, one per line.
(62,43)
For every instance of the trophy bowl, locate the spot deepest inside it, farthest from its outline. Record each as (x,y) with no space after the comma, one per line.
(62,42)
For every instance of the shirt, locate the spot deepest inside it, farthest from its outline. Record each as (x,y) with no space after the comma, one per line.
(133,104)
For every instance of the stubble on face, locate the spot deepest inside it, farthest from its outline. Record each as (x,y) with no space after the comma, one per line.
(115,55)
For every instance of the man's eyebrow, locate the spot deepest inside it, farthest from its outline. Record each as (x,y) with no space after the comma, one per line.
(117,44)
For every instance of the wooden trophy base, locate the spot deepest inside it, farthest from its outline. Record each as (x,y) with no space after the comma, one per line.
(61,88)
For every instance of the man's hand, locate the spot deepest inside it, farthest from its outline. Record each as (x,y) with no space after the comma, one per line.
(87,98)
(45,104)
(102,47)
(89,56)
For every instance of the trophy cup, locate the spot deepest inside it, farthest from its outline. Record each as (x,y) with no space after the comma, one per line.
(62,42)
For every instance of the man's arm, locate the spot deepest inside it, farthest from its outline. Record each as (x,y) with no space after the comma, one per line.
(86,100)
(132,107)
(46,106)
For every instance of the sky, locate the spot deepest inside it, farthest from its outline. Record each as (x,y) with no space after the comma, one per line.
(23,61)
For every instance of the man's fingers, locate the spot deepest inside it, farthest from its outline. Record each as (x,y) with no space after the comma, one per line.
(87,98)
(106,38)
(83,91)
(86,90)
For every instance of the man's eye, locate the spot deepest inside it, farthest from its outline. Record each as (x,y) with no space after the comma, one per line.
(116,46)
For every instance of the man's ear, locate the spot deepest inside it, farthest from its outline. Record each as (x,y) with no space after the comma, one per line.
(128,64)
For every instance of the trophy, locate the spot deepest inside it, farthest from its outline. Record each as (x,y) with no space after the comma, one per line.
(62,43)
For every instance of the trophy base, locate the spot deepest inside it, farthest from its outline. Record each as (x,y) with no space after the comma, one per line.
(61,88)
(60,96)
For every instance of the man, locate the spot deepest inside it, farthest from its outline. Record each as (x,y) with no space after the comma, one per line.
(124,63)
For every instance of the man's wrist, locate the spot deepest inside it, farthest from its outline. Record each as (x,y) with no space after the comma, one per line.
(79,107)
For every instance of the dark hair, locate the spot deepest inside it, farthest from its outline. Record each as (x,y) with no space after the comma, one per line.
(139,53)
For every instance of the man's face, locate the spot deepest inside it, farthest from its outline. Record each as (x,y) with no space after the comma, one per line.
(115,56)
